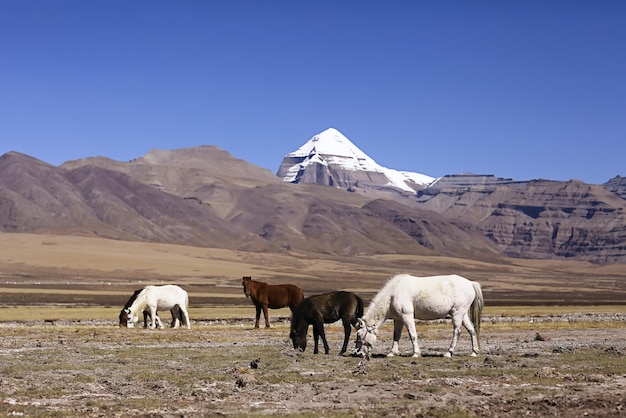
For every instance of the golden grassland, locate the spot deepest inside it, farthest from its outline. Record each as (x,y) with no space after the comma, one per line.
(53,313)
(101,273)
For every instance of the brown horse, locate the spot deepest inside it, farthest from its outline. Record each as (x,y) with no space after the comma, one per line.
(266,296)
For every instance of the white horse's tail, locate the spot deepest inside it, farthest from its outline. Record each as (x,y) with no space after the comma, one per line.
(476,309)
(187,309)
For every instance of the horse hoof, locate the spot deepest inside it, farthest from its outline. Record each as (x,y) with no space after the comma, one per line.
(416,355)
(473,354)
(447,354)
(391,355)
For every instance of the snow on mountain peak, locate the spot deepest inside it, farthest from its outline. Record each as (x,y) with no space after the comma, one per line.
(335,148)
(332,148)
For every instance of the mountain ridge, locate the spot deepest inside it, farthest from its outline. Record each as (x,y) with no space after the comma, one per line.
(203,196)
(143,201)
(331,159)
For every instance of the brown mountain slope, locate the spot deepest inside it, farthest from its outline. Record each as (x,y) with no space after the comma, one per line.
(147,213)
(208,199)
(298,217)
(203,196)
(36,197)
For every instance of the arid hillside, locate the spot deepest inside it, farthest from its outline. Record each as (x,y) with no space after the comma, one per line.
(204,197)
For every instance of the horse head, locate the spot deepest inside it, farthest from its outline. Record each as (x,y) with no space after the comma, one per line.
(127,319)
(298,340)
(365,338)
(246,282)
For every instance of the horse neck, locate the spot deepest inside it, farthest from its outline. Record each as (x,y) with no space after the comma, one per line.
(299,323)
(139,304)
(377,312)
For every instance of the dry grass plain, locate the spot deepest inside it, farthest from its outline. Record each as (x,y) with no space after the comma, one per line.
(553,343)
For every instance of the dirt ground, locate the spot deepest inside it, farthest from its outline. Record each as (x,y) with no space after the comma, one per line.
(552,365)
(62,354)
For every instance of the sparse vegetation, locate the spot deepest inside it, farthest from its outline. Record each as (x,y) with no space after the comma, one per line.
(95,369)
(62,354)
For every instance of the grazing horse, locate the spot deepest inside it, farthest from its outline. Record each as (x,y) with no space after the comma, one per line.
(266,296)
(151,298)
(146,314)
(323,309)
(405,298)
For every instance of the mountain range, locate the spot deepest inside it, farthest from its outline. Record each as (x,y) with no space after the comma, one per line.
(203,196)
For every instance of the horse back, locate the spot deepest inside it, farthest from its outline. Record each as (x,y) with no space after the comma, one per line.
(331,307)
(433,296)
(167,296)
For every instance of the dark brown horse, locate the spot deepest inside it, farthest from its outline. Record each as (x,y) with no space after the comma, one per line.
(323,309)
(266,296)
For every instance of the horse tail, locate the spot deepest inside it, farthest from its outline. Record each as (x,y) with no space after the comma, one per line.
(359,310)
(476,308)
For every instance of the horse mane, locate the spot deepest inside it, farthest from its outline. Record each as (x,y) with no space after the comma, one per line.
(379,306)
(139,299)
(252,280)
(133,298)
(295,316)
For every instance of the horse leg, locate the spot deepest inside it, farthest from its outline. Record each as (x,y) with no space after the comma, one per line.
(316,337)
(456,332)
(175,317)
(153,316)
(346,335)
(321,333)
(409,321)
(159,323)
(145,318)
(397,331)
(258,316)
(467,323)
(266,315)
(184,317)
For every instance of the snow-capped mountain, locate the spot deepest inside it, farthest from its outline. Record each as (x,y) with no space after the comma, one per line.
(332,159)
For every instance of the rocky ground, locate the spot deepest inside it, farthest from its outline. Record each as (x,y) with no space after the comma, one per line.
(553,365)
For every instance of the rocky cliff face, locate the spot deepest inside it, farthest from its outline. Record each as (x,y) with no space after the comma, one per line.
(616,185)
(537,219)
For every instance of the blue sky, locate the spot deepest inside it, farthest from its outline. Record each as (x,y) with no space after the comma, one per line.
(522,89)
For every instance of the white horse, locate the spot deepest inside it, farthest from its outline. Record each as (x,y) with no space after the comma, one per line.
(405,298)
(151,298)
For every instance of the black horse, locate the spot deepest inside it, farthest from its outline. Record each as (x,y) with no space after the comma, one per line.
(323,309)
